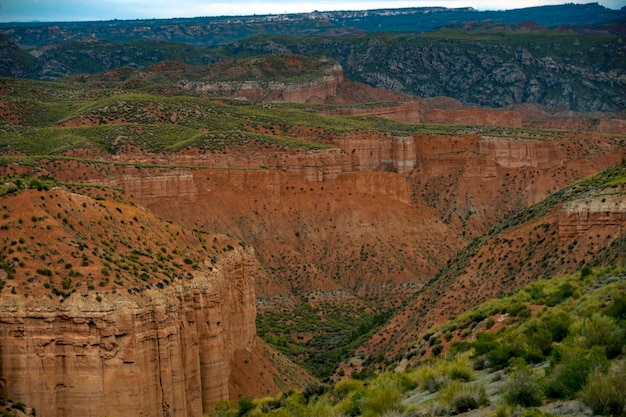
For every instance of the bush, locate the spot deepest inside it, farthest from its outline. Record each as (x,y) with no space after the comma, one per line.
(617,309)
(600,330)
(431,380)
(344,388)
(523,388)
(245,406)
(458,369)
(380,397)
(460,398)
(606,394)
(484,343)
(558,324)
(566,378)
(313,390)
(44,271)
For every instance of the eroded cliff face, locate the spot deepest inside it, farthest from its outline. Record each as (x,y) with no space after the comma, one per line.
(475,181)
(311,232)
(166,353)
(107,310)
(599,214)
(320,90)
(561,241)
(378,151)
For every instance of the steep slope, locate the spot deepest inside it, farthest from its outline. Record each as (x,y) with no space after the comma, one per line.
(106,309)
(581,224)
(476,181)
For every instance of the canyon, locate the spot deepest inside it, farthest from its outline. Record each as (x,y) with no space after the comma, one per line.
(152,229)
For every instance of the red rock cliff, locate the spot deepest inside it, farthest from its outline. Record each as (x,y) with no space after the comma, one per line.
(592,214)
(166,353)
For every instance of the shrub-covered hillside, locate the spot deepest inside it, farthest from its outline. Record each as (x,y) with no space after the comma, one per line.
(555,347)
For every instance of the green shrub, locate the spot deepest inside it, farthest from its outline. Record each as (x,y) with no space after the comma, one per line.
(430,380)
(567,377)
(354,405)
(523,387)
(558,324)
(600,330)
(380,397)
(44,271)
(459,398)
(606,394)
(344,388)
(504,411)
(617,309)
(458,369)
(314,390)
(18,405)
(245,405)
(565,291)
(484,343)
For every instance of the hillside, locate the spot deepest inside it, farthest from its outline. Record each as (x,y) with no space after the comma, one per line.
(581,224)
(555,347)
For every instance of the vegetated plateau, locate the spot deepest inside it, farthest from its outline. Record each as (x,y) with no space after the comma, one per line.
(265,234)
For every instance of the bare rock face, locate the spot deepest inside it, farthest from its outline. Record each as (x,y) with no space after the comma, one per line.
(165,353)
(474,116)
(377,151)
(315,91)
(594,213)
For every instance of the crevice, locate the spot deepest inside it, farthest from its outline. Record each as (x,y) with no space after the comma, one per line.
(164,406)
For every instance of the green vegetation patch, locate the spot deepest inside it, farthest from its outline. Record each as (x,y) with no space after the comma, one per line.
(336,334)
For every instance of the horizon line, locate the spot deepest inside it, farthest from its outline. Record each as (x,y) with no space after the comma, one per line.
(226,16)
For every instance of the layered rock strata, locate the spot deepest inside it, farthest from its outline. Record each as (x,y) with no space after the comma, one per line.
(595,214)
(167,352)
(315,91)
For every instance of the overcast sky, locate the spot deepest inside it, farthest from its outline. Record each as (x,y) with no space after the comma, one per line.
(77,10)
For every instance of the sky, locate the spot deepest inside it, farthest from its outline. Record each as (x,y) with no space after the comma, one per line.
(84,10)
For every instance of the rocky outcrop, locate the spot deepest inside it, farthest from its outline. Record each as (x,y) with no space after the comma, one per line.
(379,151)
(596,213)
(315,91)
(476,181)
(165,353)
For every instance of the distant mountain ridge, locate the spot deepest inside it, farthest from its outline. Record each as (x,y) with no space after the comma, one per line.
(214,31)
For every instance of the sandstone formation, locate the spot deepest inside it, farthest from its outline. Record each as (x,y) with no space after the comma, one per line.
(378,151)
(596,214)
(475,181)
(315,91)
(165,354)
(159,344)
